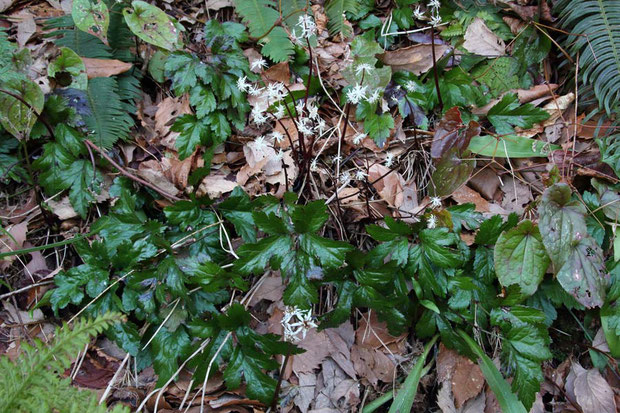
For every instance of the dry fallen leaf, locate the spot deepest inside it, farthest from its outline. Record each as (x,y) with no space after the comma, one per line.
(12,238)
(390,187)
(590,390)
(480,40)
(465,194)
(215,185)
(26,26)
(104,67)
(417,58)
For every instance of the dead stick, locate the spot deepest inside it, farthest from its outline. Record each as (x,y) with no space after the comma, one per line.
(130,176)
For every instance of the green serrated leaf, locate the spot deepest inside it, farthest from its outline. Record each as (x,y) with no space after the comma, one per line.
(508,113)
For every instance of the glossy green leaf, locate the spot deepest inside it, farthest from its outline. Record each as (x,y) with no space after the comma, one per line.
(16,117)
(520,257)
(68,63)
(91,16)
(510,146)
(152,25)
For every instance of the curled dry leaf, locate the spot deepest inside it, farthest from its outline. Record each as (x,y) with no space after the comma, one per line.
(480,40)
(417,58)
(104,67)
(556,107)
(215,185)
(11,239)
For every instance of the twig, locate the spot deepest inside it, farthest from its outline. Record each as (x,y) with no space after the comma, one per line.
(128,175)
(26,288)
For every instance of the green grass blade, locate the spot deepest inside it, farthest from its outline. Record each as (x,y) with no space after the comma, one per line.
(508,401)
(404,399)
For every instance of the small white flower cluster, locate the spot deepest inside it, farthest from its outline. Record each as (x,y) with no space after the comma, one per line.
(435,18)
(358,92)
(435,202)
(431,222)
(297,322)
(308,29)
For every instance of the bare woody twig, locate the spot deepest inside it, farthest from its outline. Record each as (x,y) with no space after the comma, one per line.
(129,175)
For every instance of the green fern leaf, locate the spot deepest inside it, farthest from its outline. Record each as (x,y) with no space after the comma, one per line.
(598,21)
(278,46)
(32,383)
(108,120)
(258,15)
(335,10)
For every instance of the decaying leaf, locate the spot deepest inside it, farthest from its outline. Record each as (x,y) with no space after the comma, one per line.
(479,39)
(590,390)
(417,58)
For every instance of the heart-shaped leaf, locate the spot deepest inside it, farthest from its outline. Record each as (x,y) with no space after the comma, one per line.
(152,25)
(520,257)
(91,16)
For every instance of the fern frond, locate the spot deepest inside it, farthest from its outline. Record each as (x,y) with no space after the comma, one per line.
(259,15)
(599,47)
(108,120)
(278,46)
(82,43)
(32,383)
(335,9)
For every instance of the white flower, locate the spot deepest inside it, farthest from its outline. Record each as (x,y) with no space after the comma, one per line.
(373,97)
(276,91)
(307,25)
(313,111)
(254,90)
(345,177)
(320,126)
(277,136)
(357,139)
(389,159)
(431,222)
(313,165)
(360,175)
(279,113)
(435,202)
(295,322)
(299,107)
(258,64)
(364,67)
(294,38)
(336,159)
(417,14)
(356,94)
(257,116)
(279,155)
(303,128)
(242,84)
(411,86)
(435,20)
(434,4)
(260,143)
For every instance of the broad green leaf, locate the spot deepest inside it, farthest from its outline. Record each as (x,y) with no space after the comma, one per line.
(405,396)
(238,210)
(583,274)
(309,218)
(152,25)
(520,257)
(610,200)
(508,113)
(17,117)
(253,258)
(270,223)
(167,348)
(91,16)
(378,127)
(68,63)
(451,172)
(329,253)
(53,164)
(507,400)
(510,146)
(562,220)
